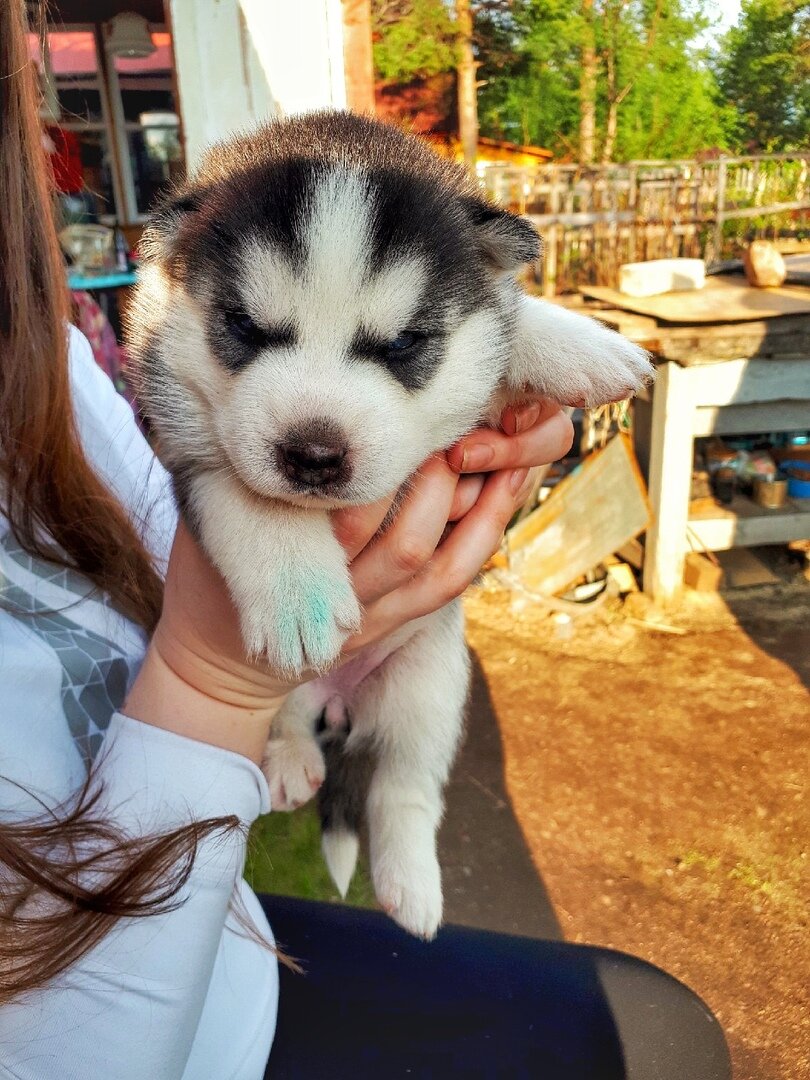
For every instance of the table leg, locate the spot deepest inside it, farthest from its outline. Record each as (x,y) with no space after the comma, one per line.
(670,476)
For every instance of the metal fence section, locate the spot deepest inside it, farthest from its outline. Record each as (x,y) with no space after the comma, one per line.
(594,218)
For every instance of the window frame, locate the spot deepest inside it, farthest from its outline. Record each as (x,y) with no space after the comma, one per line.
(122,127)
(113,123)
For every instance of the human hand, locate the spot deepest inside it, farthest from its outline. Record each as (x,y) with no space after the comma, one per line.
(196,679)
(419,563)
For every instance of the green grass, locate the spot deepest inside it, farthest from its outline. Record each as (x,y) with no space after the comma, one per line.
(284,857)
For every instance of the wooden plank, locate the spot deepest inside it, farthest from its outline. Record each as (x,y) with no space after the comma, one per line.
(774,208)
(578,221)
(670,473)
(785,337)
(742,419)
(639,328)
(739,382)
(731,530)
(724,298)
(632,552)
(593,511)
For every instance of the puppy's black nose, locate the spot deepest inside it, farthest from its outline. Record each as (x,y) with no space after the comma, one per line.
(314,458)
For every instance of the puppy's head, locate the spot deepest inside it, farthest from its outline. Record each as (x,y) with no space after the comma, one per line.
(324,307)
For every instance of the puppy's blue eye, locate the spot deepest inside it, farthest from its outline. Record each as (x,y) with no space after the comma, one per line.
(406,340)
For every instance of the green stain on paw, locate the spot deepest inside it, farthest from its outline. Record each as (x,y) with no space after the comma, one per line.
(318,610)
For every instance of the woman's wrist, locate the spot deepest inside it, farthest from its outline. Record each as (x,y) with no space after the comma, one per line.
(229,716)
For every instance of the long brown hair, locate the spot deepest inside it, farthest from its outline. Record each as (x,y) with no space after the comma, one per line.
(58,509)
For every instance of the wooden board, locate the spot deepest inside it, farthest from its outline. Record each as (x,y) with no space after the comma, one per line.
(589,515)
(744,524)
(724,298)
(785,338)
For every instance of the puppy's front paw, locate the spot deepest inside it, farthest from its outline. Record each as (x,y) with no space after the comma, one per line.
(408,886)
(295,769)
(607,367)
(613,368)
(572,358)
(299,617)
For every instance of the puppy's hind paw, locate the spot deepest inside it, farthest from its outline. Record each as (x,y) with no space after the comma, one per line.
(411,894)
(294,769)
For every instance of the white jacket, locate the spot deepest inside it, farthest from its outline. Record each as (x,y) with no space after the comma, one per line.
(180,996)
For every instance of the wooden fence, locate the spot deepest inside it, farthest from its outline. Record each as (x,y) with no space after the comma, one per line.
(594,218)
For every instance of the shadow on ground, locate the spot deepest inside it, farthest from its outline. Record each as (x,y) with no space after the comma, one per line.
(770,619)
(490,880)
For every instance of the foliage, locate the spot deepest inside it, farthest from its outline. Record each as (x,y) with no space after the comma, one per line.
(660,93)
(412,39)
(672,108)
(764,73)
(653,70)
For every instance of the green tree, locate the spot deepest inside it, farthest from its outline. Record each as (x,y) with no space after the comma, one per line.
(764,73)
(672,107)
(412,39)
(653,95)
(650,89)
(530,90)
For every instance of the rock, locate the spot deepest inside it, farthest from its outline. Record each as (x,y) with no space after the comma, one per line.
(764,266)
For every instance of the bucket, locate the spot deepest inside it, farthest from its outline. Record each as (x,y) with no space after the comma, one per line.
(798,476)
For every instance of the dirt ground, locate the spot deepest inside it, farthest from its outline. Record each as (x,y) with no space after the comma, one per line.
(647,791)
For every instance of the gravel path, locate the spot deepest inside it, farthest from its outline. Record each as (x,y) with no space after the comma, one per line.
(648,791)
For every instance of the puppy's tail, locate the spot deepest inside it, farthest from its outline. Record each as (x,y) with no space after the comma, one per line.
(341,804)
(340,849)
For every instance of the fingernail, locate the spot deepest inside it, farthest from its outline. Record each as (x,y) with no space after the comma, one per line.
(517,479)
(525,417)
(477,457)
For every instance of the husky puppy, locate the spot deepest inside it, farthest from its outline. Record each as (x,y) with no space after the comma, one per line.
(321,308)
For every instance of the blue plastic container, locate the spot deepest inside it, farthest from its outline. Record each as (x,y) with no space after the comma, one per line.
(797,488)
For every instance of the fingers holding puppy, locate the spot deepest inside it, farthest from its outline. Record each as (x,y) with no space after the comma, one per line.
(537,432)
(405,548)
(458,558)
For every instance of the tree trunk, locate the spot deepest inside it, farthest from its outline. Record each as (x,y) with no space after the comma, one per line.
(467,93)
(358,57)
(587,88)
(612,121)
(611,127)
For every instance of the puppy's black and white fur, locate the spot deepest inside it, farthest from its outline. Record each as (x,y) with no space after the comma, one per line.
(323,307)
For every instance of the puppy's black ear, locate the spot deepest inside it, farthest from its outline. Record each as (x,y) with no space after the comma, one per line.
(160,236)
(507,241)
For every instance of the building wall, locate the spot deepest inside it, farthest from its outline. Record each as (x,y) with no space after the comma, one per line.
(240,62)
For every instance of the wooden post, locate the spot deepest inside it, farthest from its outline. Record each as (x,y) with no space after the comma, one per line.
(670,473)
(551,237)
(632,204)
(467,91)
(717,254)
(358,56)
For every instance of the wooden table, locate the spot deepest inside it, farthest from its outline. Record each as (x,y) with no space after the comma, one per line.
(714,378)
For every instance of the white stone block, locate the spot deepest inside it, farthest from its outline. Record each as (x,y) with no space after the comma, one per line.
(661,276)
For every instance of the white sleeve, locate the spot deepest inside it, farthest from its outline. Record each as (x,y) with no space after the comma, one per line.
(131,1007)
(117,449)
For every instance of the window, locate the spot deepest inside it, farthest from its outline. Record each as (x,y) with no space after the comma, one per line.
(112,128)
(143,99)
